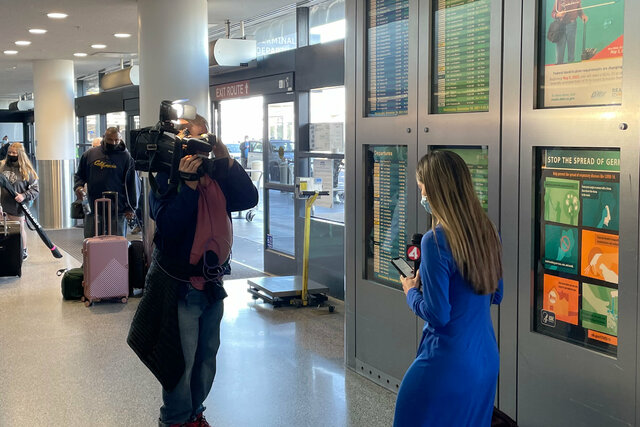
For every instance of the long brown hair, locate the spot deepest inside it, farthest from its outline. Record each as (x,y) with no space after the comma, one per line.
(26,167)
(473,239)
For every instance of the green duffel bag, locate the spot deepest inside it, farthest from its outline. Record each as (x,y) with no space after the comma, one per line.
(72,283)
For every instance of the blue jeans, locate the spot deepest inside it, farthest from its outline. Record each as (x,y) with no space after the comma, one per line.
(568,40)
(199,320)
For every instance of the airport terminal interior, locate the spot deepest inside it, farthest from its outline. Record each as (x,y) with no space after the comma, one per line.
(326,108)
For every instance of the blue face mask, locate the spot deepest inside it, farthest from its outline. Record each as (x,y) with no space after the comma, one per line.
(425,204)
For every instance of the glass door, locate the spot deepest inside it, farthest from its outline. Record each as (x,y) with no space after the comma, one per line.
(278,154)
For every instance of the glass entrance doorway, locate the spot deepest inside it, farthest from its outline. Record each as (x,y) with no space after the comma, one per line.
(240,127)
(278,156)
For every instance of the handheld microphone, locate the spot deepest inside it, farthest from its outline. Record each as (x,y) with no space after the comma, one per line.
(413,250)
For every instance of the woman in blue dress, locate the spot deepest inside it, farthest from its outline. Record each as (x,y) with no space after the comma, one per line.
(452,381)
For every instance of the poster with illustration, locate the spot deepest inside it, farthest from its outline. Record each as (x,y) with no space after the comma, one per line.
(561,298)
(577,246)
(600,308)
(561,248)
(600,256)
(600,204)
(561,200)
(581,46)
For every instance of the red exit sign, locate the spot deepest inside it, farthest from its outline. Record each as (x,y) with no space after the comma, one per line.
(233,90)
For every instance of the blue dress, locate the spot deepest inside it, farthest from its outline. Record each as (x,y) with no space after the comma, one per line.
(452,381)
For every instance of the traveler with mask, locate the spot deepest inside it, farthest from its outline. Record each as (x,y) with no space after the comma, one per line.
(452,381)
(20,173)
(4,147)
(108,167)
(176,328)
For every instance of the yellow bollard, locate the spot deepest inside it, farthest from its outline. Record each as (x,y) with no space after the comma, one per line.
(305,257)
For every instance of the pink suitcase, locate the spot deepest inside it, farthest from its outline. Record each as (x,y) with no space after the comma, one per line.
(106,264)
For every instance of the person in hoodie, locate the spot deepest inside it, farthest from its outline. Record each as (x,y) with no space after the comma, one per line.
(176,328)
(20,173)
(108,167)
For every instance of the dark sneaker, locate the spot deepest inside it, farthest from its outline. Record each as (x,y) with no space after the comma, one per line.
(25,255)
(201,421)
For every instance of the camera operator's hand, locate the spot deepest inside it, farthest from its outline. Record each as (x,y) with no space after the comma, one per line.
(220,150)
(190,164)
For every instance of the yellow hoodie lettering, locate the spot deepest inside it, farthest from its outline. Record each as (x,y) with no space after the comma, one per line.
(102,164)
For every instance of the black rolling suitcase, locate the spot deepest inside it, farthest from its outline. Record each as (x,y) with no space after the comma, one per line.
(10,248)
(137,266)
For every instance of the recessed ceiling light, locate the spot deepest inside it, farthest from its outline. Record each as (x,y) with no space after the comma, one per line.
(37,31)
(57,15)
(10,52)
(122,35)
(80,54)
(23,43)
(98,46)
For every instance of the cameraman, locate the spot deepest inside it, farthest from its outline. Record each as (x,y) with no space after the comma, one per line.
(176,329)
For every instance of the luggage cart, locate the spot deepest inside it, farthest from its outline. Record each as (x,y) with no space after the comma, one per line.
(294,290)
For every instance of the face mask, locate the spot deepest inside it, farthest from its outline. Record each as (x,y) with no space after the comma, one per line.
(425,204)
(109,147)
(12,159)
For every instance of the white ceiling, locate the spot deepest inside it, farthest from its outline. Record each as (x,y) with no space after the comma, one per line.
(89,22)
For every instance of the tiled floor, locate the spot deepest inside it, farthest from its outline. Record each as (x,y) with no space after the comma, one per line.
(62,364)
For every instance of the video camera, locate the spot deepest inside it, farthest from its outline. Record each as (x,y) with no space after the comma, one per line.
(159,148)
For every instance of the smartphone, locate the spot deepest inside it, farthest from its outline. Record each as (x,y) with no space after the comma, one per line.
(403,267)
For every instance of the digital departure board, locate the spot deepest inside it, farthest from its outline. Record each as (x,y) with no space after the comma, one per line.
(461,46)
(386,210)
(477,160)
(387,58)
(577,251)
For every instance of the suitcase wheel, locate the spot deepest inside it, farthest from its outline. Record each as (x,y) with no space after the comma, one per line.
(124,300)
(87,303)
(82,298)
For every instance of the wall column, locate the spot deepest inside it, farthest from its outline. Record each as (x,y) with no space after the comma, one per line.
(173,47)
(54,112)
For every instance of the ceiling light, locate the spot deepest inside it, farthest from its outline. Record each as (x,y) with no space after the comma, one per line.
(81,54)
(98,46)
(122,35)
(10,52)
(57,15)
(37,31)
(23,43)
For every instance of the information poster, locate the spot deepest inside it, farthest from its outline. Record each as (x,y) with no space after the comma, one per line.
(386,210)
(577,229)
(581,48)
(387,58)
(477,160)
(461,47)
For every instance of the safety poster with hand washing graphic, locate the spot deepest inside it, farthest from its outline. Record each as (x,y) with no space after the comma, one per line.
(577,240)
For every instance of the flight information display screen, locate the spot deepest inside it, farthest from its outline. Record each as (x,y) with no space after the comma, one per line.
(387,58)
(460,56)
(577,225)
(477,160)
(386,211)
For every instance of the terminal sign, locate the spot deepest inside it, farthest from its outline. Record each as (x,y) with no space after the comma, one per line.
(233,90)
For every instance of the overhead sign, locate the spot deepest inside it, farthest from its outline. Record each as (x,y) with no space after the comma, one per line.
(232,90)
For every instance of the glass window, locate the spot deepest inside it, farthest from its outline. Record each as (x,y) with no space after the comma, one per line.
(91,85)
(118,120)
(331,174)
(242,120)
(327,22)
(580,53)
(281,144)
(275,35)
(93,128)
(326,118)
(280,229)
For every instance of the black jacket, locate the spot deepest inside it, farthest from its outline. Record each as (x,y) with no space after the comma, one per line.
(104,170)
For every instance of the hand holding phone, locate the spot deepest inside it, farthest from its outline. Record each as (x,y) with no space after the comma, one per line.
(403,267)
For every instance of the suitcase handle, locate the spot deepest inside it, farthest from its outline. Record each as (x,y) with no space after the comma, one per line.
(4,224)
(106,203)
